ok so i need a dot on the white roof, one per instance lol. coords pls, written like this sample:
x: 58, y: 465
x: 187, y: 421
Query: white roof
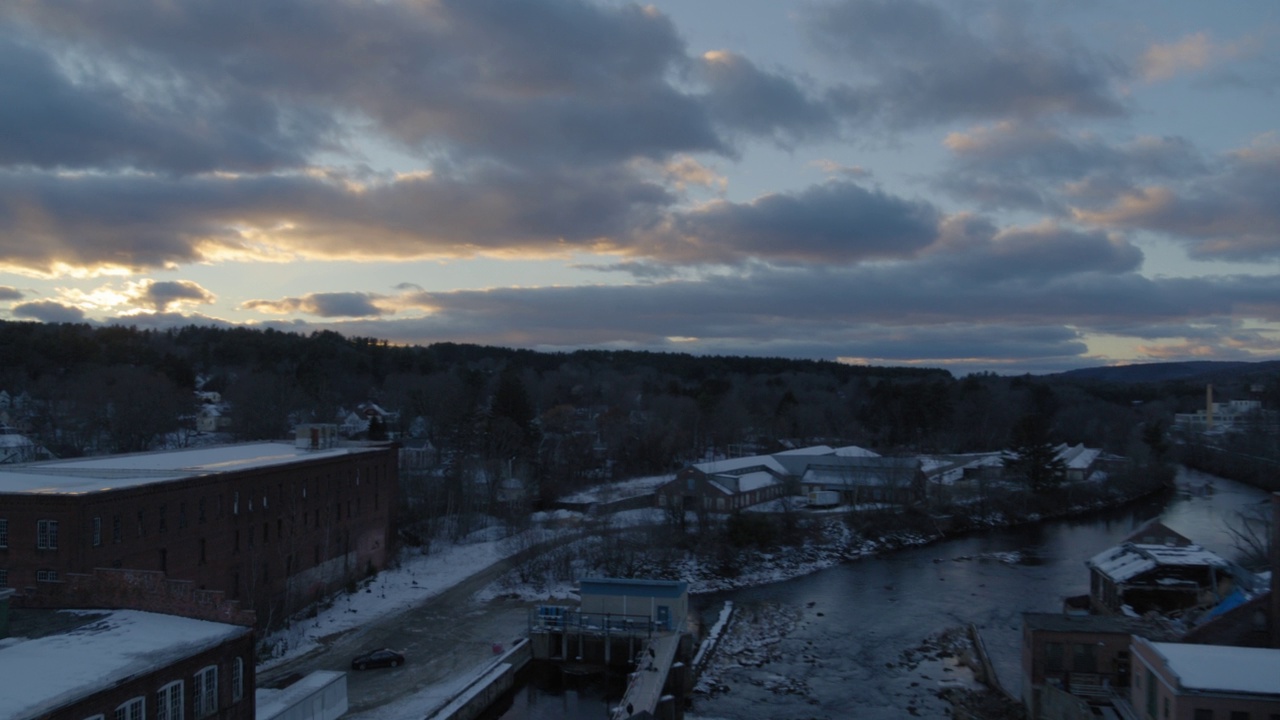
x: 1223, y: 669
x: 114, y: 471
x: 1129, y: 560
x: 46, y: 673
x: 755, y: 481
x: 731, y: 465
x: 1078, y: 457
x: 855, y: 451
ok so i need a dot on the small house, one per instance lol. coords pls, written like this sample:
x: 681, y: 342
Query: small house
x: 1162, y: 578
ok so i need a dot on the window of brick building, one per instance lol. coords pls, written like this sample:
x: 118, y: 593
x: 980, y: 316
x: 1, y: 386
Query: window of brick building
x: 204, y: 692
x: 202, y: 553
x: 1239, y: 715
x: 163, y: 512
x: 4, y: 532
x: 237, y: 679
x: 200, y: 516
x: 134, y: 709
x: 116, y: 529
x: 47, y: 534
x: 97, y: 532
x: 142, y: 527
x: 4, y: 577
x: 46, y: 576
x: 169, y: 702
x: 1203, y: 714
x: 182, y: 515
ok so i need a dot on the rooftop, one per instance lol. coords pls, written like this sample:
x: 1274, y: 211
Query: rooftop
x: 85, y: 475
x: 43, y: 674
x: 1220, y: 668
x: 1129, y: 560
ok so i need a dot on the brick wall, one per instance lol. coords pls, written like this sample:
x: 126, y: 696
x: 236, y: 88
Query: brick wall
x: 147, y: 685
x: 146, y: 590
x: 252, y: 534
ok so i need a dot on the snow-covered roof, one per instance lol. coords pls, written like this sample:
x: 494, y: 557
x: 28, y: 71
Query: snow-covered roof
x: 855, y: 451
x: 1219, y: 668
x: 115, y: 471
x: 1129, y: 560
x: 813, y: 450
x: 756, y: 480
x: 735, y: 465
x: 46, y: 673
x: 270, y: 702
x: 1078, y: 457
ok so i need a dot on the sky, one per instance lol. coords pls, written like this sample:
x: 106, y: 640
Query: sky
x: 978, y: 185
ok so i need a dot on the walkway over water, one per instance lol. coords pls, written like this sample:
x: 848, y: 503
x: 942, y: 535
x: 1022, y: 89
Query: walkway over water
x: 644, y: 686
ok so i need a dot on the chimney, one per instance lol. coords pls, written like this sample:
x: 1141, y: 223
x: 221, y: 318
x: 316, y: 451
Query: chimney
x: 1208, y: 407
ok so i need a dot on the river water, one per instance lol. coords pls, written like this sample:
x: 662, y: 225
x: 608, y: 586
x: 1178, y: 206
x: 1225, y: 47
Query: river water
x: 838, y: 635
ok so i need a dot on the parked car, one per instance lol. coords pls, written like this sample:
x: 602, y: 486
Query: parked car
x: 378, y: 658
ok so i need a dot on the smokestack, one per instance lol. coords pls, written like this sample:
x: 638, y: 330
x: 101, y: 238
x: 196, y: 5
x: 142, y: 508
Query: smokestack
x: 1208, y: 407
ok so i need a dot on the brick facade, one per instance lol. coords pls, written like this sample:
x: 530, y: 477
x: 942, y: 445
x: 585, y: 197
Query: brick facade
x: 273, y: 537
x: 146, y: 685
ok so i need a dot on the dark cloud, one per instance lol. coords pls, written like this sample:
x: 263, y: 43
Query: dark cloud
x: 10, y: 293
x: 918, y: 63
x: 100, y: 120
x: 545, y: 83
x: 48, y: 311
x: 836, y: 222
x: 974, y: 249
x: 1031, y: 166
x: 1231, y: 212
x: 746, y: 98
x: 896, y: 312
x: 326, y: 305
x: 162, y: 294
x: 141, y: 221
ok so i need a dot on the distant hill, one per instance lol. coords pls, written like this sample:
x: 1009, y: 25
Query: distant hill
x: 1206, y: 370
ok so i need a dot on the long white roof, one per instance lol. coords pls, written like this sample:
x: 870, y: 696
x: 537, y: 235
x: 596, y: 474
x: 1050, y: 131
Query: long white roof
x: 46, y: 673
x: 1220, y: 668
x: 108, y: 472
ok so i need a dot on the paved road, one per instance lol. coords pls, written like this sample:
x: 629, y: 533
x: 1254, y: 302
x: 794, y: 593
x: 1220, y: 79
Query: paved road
x: 445, y: 637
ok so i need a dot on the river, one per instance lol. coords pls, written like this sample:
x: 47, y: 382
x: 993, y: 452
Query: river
x: 839, y: 635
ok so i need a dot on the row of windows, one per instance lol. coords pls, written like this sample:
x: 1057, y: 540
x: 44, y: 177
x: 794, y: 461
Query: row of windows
x: 47, y: 530
x: 170, y: 700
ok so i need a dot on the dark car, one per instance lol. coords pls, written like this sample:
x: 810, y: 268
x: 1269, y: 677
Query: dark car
x: 378, y: 658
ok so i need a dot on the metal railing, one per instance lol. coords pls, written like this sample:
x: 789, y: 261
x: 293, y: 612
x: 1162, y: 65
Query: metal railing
x: 552, y: 618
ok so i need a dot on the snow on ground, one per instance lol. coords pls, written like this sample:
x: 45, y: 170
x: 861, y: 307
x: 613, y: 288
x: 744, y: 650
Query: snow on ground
x: 418, y: 577
x: 619, y: 490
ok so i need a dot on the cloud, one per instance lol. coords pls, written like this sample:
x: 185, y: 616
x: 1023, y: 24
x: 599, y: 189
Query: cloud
x: 1194, y: 53
x: 464, y: 80
x: 117, y: 113
x: 835, y: 222
x: 919, y: 64
x: 1017, y: 165
x: 894, y: 311
x: 10, y: 293
x: 48, y: 311
x: 162, y: 294
x: 746, y: 98
x: 1230, y: 212
x: 327, y: 305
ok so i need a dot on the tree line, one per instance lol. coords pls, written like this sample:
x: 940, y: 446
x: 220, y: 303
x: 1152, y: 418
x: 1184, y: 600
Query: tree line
x: 559, y: 421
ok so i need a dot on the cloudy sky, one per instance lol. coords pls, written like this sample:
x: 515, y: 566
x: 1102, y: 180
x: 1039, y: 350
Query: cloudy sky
x: 971, y: 184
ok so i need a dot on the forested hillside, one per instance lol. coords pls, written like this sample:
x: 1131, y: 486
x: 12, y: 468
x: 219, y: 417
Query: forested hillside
x: 565, y: 419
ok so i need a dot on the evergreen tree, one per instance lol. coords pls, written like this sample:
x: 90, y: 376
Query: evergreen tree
x: 1032, y: 456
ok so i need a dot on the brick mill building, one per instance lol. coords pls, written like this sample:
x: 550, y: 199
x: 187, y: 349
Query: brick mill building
x: 269, y: 526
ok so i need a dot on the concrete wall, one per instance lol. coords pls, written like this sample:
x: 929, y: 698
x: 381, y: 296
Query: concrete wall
x: 488, y: 686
